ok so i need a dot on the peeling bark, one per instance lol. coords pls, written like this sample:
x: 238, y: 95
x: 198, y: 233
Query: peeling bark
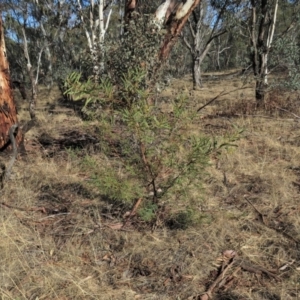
x: 32, y: 101
x: 8, y: 111
x: 261, y: 40
x: 95, y: 28
x: 203, y: 37
x: 130, y: 7
x: 175, y: 24
x: 173, y: 14
x: 197, y: 81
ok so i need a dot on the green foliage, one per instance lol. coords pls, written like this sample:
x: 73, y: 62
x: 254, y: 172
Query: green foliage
x: 188, y: 217
x: 94, y: 95
x: 148, y: 211
x: 138, y: 48
x: 103, y: 94
x: 286, y: 56
x: 155, y: 155
x: 182, y: 219
x: 113, y: 181
x: 158, y: 156
x: 132, y: 83
x: 90, y: 91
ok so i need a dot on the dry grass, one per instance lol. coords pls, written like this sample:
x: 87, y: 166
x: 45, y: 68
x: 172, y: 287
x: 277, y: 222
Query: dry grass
x: 55, y: 238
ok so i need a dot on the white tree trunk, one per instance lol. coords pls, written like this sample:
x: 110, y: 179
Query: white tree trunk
x: 32, y: 102
x: 95, y: 30
x: 200, y: 48
x: 270, y: 40
x: 48, y: 55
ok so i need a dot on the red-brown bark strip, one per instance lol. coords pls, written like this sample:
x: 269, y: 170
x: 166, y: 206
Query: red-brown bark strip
x: 8, y: 111
x: 175, y: 24
x: 175, y: 18
x: 130, y: 7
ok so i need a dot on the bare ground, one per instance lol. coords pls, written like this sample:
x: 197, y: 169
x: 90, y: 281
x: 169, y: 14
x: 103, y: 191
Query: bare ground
x: 60, y: 238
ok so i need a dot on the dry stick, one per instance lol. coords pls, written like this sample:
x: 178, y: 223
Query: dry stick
x: 229, y: 280
x: 148, y: 167
x: 262, y: 221
x: 221, y: 94
x: 262, y: 116
x: 217, y: 281
x: 241, y: 265
x: 133, y: 211
x: 260, y: 215
x: 265, y: 117
x: 246, y: 266
x: 42, y: 209
x: 296, y: 116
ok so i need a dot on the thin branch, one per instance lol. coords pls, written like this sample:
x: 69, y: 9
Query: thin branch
x: 187, y: 43
x: 208, y: 294
x: 133, y: 212
x: 216, y: 35
x: 223, y: 93
x: 191, y: 29
x: 296, y: 116
x: 272, y: 28
x: 226, y: 48
x: 38, y: 65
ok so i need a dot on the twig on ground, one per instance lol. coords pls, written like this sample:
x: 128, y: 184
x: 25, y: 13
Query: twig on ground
x: 260, y: 215
x: 133, y: 211
x: 231, y: 260
x: 223, y: 93
x: 247, y: 266
x: 224, y: 268
x: 285, y: 110
x: 261, y: 220
x: 41, y: 209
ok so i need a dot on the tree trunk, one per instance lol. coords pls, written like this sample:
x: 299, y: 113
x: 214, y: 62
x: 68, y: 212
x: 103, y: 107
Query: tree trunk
x: 260, y: 91
x: 262, y: 33
x: 32, y: 102
x: 175, y: 24
x: 8, y: 111
x: 174, y: 14
x: 197, y: 81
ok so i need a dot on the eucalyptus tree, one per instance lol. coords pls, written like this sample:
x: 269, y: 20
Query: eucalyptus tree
x: 285, y: 51
x: 205, y: 25
x: 269, y: 38
x: 164, y: 24
x: 261, y: 29
x: 8, y: 111
x: 95, y: 16
x: 34, y: 28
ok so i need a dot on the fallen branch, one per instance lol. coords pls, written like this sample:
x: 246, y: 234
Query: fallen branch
x: 133, y: 212
x: 252, y: 268
x: 229, y: 257
x: 41, y: 209
x: 261, y: 219
x: 223, y: 93
x: 230, y: 260
x: 285, y: 110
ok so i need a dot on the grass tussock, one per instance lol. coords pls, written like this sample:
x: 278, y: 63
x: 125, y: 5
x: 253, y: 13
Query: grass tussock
x: 59, y: 227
